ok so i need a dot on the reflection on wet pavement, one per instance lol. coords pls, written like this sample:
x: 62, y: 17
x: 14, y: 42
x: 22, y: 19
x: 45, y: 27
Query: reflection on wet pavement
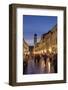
x: 38, y: 67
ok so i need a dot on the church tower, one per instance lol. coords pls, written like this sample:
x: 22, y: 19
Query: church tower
x: 35, y: 39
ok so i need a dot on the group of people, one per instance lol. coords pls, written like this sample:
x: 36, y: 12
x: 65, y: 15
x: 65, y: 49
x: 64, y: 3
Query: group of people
x: 40, y: 63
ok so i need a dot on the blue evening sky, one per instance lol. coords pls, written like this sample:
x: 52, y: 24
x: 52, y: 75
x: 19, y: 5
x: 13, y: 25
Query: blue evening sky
x: 37, y: 24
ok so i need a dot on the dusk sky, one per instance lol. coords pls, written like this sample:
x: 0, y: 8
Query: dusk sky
x: 37, y: 24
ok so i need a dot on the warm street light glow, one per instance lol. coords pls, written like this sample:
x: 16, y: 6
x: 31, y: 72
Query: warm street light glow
x: 50, y: 50
x: 45, y: 50
x: 48, y: 66
x: 27, y: 53
x: 42, y: 51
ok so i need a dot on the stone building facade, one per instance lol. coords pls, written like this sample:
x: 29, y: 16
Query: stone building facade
x: 48, y: 42
x: 25, y: 48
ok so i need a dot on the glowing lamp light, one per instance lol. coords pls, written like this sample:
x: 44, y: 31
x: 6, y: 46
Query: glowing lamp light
x: 28, y: 53
x: 42, y: 51
x: 45, y: 50
x: 34, y: 52
x: 50, y: 50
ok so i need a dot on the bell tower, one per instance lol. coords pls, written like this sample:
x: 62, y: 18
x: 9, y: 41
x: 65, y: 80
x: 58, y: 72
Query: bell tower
x: 35, y: 39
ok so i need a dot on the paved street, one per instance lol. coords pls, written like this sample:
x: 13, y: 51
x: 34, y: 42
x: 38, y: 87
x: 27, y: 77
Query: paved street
x: 39, y: 67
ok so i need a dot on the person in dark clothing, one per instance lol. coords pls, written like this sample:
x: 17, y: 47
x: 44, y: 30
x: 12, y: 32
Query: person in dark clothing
x: 45, y: 57
x: 24, y: 67
x: 55, y: 63
x: 25, y: 63
x: 37, y: 58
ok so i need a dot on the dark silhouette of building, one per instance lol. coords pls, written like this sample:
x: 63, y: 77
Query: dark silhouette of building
x: 31, y: 49
x: 35, y: 39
